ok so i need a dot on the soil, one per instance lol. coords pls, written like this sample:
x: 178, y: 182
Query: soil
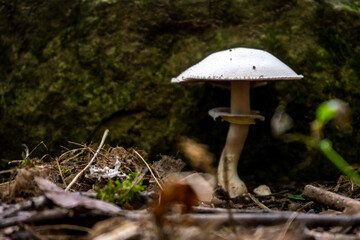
x: 35, y: 206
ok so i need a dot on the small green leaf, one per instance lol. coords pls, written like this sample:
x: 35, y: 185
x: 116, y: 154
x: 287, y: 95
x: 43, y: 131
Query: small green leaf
x: 121, y: 192
x: 296, y: 197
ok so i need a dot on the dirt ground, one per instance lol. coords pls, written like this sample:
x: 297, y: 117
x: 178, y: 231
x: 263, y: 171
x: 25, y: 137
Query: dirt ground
x: 58, y: 198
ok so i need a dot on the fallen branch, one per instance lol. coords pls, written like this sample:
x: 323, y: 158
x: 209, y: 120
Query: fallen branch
x: 147, y: 165
x: 313, y: 234
x: 91, y: 161
x: 255, y: 200
x: 73, y: 157
x: 127, y: 230
x: 5, y: 187
x: 245, y: 219
x: 306, y: 205
x: 331, y: 199
x: 44, y: 231
x: 224, y: 210
x: 70, y: 200
x: 6, y: 171
x: 11, y: 209
x: 35, y: 216
x: 256, y: 219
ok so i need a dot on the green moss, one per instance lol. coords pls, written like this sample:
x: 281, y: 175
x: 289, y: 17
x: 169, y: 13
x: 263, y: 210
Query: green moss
x: 70, y: 70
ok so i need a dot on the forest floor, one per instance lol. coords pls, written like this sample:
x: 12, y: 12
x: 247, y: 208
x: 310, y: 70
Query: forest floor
x: 70, y: 197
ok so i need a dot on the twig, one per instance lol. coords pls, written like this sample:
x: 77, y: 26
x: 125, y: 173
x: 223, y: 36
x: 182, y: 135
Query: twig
x: 210, y: 210
x: 63, y: 226
x: 330, y: 199
x: 26, y: 149
x: 35, y: 202
x: 244, y: 219
x: 308, y: 204
x: 40, y: 143
x: 266, y: 219
x: 72, y: 151
x: 67, y: 149
x: 262, y: 206
x: 189, y: 176
x: 157, y: 173
x: 287, y: 225
x: 28, y: 153
x: 34, y: 217
x: 91, y: 161
x: 78, y: 144
x: 62, y: 176
x: 5, y: 171
x: 127, y: 230
x: 6, y: 186
x: 73, y: 157
x: 43, y: 232
x: 147, y: 165
x: 314, y: 234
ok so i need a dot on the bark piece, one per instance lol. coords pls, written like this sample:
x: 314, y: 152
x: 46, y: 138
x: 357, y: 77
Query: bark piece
x: 73, y: 200
x: 34, y: 217
x: 331, y: 199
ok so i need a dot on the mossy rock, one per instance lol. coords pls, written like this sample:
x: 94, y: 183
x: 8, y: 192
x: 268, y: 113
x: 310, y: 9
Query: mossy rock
x: 70, y: 69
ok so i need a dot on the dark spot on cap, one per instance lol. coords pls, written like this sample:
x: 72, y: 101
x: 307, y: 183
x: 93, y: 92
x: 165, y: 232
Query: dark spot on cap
x: 230, y: 50
x: 230, y: 59
x: 254, y: 67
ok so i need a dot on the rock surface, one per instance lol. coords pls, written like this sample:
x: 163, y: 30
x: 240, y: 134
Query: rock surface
x: 69, y: 69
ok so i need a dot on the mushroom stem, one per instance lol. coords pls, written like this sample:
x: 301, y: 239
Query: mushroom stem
x: 227, y: 170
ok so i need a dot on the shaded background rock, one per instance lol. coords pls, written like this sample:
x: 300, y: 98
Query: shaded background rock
x: 70, y: 69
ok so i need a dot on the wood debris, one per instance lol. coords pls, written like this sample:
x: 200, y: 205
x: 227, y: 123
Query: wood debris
x: 175, y: 205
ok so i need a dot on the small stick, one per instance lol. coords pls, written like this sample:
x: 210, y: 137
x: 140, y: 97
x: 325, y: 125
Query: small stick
x: 62, y: 176
x: 244, y: 219
x: 11, y: 209
x: 34, y: 217
x: 64, y: 226
x: 72, y: 151
x: 147, y: 165
x: 255, y: 200
x: 308, y: 204
x: 256, y: 219
x: 313, y: 234
x: 73, y: 157
x: 329, y: 198
x: 40, y: 143
x: 78, y: 144
x: 5, y: 171
x: 211, y: 210
x: 287, y: 225
x: 91, y: 161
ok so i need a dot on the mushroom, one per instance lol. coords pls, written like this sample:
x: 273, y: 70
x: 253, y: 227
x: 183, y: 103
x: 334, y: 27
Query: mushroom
x: 241, y: 67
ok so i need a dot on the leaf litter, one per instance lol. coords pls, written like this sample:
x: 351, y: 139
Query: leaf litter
x: 174, y: 205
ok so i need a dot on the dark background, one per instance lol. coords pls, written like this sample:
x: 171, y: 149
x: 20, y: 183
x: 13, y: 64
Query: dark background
x: 70, y: 69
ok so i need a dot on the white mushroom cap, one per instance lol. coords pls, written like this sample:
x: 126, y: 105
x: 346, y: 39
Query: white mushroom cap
x: 238, y: 64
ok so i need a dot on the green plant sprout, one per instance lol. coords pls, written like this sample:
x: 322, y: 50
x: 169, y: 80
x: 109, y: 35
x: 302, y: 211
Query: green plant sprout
x: 65, y: 172
x: 338, y: 111
x: 295, y: 197
x: 26, y: 161
x: 120, y: 192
